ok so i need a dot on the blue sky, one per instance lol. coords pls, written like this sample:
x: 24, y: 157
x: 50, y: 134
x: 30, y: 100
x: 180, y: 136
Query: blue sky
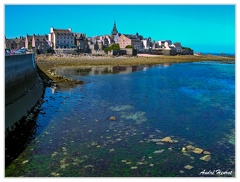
x: 204, y: 28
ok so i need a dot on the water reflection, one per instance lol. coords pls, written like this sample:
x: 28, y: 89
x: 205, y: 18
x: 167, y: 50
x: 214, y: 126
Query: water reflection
x: 98, y: 70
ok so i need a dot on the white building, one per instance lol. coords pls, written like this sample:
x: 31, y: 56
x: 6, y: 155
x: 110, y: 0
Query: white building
x: 61, y: 38
x: 145, y: 43
x: 164, y: 43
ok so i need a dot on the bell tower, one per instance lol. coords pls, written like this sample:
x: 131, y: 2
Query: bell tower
x: 114, y: 30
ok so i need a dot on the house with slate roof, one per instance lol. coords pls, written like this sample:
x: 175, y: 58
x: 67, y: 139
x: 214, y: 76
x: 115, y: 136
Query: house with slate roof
x: 61, y: 39
x: 126, y: 39
x: 37, y: 43
x: 16, y: 43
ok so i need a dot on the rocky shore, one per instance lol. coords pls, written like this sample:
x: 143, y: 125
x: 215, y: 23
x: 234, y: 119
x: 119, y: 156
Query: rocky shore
x: 46, y: 64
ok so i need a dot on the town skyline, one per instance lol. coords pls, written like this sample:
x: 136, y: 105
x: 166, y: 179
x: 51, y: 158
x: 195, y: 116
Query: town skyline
x: 204, y: 28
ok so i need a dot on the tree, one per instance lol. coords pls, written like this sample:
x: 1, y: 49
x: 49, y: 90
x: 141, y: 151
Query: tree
x: 187, y: 48
x: 112, y: 47
x: 129, y: 46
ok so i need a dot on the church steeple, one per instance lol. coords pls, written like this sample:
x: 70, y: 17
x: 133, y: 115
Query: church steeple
x: 114, y: 30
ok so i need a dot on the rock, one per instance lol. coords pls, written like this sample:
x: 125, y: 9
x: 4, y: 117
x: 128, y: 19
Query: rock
x: 183, y: 149
x: 190, y: 147
x: 198, y: 150
x: 24, y: 162
x: 111, y: 150
x: 181, y: 171
x: 188, y: 167
x: 134, y: 167
x: 167, y: 140
x: 112, y: 118
x: 206, y: 152
x: 158, y: 151
x: 88, y: 166
x: 159, y: 143
x: 128, y: 162
x: 124, y: 160
x: 151, y: 165
x: 156, y: 140
x: 206, y: 158
x: 140, y: 163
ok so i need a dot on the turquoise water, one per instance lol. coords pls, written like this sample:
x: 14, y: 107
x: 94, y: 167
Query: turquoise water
x: 193, y: 103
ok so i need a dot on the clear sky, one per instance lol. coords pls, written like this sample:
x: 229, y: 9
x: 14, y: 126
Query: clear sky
x: 204, y: 28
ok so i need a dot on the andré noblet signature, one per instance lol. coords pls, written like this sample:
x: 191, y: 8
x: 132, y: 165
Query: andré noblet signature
x: 215, y: 172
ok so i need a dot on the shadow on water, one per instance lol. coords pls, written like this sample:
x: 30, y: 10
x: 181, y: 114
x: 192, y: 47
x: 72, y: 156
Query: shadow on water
x: 17, y: 140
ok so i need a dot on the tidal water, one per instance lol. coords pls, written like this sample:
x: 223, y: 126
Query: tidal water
x: 193, y: 103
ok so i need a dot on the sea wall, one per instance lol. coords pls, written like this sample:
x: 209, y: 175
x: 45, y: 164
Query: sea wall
x: 23, y: 87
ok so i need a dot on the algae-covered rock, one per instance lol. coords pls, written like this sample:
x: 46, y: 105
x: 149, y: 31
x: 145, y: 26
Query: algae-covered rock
x: 198, y: 150
x: 206, y: 158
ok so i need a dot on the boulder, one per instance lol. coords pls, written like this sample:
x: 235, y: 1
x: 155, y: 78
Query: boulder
x: 167, y: 140
x: 198, y: 150
x: 206, y: 158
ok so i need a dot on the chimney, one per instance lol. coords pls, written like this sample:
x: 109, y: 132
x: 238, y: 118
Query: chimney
x: 70, y: 29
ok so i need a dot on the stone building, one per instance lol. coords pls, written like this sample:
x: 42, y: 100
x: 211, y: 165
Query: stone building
x: 178, y: 47
x: 61, y: 39
x: 37, y: 43
x: 81, y: 42
x: 16, y: 43
x: 132, y: 40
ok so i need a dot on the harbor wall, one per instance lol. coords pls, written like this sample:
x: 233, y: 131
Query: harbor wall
x: 23, y: 87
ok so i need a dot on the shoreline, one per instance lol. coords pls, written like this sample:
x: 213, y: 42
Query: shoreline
x: 46, y: 64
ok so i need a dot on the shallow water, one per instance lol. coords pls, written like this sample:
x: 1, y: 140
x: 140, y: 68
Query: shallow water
x: 193, y: 103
